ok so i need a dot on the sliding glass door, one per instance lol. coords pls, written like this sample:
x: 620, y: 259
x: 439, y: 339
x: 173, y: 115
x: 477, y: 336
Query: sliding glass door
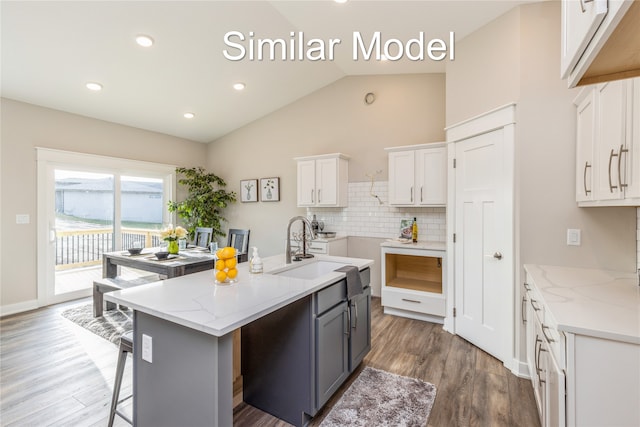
x: 89, y: 205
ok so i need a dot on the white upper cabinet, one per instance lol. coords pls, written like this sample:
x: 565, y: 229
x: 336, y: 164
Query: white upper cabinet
x: 418, y: 175
x: 580, y: 20
x: 608, y: 144
x: 585, y: 134
x: 599, y: 41
x: 323, y: 180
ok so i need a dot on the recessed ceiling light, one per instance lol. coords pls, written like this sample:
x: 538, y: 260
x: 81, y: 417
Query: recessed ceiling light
x: 340, y: 1
x: 189, y: 115
x: 94, y: 86
x: 239, y: 86
x: 144, y: 40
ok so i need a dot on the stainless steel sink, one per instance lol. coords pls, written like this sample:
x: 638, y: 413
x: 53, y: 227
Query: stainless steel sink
x: 310, y: 270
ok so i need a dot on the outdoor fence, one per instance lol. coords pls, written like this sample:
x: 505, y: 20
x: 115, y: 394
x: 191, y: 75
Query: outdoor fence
x: 79, y: 248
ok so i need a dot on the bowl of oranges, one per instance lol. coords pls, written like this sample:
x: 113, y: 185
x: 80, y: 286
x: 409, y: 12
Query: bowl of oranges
x: 225, y: 265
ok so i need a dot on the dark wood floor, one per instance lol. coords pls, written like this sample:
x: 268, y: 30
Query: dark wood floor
x: 54, y: 373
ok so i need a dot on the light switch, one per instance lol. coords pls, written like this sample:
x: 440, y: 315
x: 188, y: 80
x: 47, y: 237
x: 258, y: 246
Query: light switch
x: 147, y: 348
x: 23, y: 219
x: 573, y: 237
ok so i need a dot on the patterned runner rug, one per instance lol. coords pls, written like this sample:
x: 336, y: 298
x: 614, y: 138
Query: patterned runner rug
x: 380, y: 398
x: 110, y: 326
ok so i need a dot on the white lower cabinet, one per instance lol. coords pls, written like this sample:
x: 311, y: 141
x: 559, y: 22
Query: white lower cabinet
x: 412, y: 282
x: 544, y: 358
x: 577, y: 379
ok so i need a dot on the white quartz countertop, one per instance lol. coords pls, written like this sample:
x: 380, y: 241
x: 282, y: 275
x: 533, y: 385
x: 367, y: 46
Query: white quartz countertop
x: 420, y: 244
x: 197, y: 302
x: 599, y: 303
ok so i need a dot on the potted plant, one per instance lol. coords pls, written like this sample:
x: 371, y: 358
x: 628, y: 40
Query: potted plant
x: 205, y: 201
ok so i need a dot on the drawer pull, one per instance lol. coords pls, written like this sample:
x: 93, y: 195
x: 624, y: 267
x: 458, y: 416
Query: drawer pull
x: 533, y: 304
x: 411, y: 300
x: 544, y: 332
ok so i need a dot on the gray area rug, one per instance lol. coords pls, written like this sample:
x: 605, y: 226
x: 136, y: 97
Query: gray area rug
x: 110, y: 326
x: 380, y: 398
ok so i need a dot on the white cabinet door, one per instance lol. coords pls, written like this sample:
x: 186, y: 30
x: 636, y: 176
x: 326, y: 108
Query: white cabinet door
x: 327, y: 182
x: 431, y: 176
x: 586, y: 132
x: 306, y: 182
x: 631, y: 159
x: 555, y: 393
x: 401, y: 177
x: 580, y: 20
x: 611, y: 116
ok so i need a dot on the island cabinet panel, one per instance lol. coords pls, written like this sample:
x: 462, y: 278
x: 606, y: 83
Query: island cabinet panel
x: 295, y: 359
x: 174, y: 372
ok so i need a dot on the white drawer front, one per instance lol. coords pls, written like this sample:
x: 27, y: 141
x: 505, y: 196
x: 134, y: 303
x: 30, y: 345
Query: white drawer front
x: 414, y: 301
x: 318, y: 248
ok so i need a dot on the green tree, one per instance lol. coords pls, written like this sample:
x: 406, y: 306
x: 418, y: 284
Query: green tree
x: 205, y: 202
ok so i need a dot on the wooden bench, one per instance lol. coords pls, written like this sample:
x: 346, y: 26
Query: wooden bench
x: 113, y: 284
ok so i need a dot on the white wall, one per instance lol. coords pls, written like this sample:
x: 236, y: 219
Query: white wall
x: 26, y: 126
x: 409, y: 109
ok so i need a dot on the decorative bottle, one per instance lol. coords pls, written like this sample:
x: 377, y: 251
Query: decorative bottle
x: 255, y: 265
x: 314, y: 225
x: 414, y: 231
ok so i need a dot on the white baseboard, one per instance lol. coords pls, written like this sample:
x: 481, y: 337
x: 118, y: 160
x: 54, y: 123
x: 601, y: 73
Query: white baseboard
x: 6, y: 310
x: 520, y: 369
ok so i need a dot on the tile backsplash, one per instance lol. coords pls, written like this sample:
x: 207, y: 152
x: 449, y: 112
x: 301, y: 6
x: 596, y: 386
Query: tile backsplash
x: 365, y: 216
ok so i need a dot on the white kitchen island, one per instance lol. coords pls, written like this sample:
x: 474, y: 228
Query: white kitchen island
x: 183, y: 352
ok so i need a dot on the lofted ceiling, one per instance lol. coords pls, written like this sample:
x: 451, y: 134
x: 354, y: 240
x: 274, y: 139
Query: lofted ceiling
x: 50, y: 49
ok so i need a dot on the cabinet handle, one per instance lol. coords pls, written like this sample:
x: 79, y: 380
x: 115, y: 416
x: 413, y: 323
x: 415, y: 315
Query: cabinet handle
x: 611, y: 156
x: 544, y: 332
x: 421, y: 194
x: 411, y: 300
x: 526, y: 286
x: 355, y: 326
x: 622, y: 150
x: 584, y: 178
x: 348, y: 332
x: 536, y: 354
x: 533, y: 304
x: 313, y: 199
x: 411, y: 194
x: 319, y: 198
x: 523, y: 309
x: 582, y: 3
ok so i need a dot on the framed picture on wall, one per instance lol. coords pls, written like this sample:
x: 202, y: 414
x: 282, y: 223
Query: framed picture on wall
x: 249, y: 190
x: 269, y: 189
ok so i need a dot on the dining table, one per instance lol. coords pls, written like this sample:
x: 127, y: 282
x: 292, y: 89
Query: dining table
x: 186, y: 261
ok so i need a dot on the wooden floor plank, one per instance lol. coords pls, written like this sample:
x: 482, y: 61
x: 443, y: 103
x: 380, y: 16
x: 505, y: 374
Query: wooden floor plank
x: 55, y: 373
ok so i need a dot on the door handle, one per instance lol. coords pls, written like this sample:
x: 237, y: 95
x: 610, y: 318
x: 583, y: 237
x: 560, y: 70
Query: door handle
x: 497, y: 256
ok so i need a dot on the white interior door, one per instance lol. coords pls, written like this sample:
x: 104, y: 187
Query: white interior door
x: 484, y: 241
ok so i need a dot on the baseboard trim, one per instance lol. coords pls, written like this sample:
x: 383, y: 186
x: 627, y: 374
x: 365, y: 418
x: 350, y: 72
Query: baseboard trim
x: 520, y: 369
x: 9, y: 309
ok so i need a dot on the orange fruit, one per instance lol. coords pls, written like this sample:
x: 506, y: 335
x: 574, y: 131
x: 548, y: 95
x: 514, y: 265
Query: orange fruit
x: 221, y: 276
x: 220, y: 264
x: 219, y: 253
x: 228, y: 252
x: 232, y: 273
x: 231, y: 262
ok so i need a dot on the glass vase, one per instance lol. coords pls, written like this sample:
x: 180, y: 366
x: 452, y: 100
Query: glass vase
x: 173, y: 247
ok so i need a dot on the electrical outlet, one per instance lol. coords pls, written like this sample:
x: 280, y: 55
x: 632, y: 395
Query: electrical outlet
x: 23, y: 219
x: 147, y: 348
x: 573, y: 237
